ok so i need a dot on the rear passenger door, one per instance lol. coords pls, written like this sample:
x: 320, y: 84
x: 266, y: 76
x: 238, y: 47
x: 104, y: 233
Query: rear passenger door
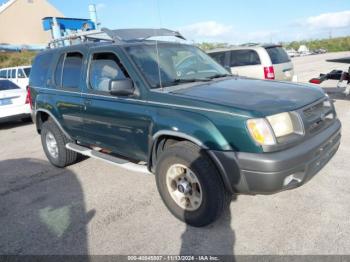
x: 68, y: 81
x: 246, y: 63
x: 116, y: 123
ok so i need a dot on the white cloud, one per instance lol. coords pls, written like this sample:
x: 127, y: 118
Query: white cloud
x: 207, y: 29
x: 213, y: 31
x: 329, y: 20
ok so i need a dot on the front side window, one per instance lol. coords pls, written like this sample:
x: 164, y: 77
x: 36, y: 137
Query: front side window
x: 104, y: 68
x: 168, y: 64
x: 71, y: 71
x: 244, y: 58
x: 27, y: 71
x: 20, y: 73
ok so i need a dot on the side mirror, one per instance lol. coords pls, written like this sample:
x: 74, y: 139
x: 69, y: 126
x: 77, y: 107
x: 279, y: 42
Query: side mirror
x: 123, y: 87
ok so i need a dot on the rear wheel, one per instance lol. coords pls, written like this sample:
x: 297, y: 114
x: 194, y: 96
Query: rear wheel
x: 190, y: 184
x: 54, y: 145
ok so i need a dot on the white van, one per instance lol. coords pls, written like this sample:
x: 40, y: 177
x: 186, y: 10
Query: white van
x: 18, y: 75
x: 256, y: 61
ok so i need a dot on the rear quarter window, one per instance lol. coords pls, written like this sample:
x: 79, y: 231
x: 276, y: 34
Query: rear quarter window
x: 244, y: 58
x: 278, y: 55
x: 40, y: 69
x: 219, y: 57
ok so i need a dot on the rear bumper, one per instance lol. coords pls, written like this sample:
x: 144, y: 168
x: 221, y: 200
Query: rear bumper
x: 16, y: 112
x: 269, y: 173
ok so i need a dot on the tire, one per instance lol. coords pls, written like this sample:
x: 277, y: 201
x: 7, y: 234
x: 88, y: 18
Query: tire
x: 64, y: 156
x: 214, y: 197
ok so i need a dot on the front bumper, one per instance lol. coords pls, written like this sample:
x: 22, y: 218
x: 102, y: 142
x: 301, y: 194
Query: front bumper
x: 267, y: 173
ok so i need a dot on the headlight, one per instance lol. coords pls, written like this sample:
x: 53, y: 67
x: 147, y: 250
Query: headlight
x: 261, y: 132
x: 281, y: 124
x: 268, y: 131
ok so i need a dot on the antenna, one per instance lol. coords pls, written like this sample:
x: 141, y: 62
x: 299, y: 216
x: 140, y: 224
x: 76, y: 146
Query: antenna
x: 157, y: 49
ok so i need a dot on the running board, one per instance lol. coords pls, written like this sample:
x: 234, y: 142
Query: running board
x: 108, y: 158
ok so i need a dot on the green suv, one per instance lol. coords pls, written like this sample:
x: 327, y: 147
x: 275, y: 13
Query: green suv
x: 168, y: 108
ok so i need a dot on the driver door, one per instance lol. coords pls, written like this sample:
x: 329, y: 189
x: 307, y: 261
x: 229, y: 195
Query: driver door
x: 116, y: 123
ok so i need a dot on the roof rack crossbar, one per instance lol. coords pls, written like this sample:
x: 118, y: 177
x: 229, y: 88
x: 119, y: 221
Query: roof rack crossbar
x: 118, y: 36
x: 96, y: 35
x: 140, y: 33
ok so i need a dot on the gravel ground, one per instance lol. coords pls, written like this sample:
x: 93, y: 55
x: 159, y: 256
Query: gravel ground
x: 95, y: 208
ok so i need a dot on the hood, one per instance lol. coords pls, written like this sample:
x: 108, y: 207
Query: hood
x: 263, y: 97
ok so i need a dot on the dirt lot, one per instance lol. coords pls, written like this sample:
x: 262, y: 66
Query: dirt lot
x: 96, y: 208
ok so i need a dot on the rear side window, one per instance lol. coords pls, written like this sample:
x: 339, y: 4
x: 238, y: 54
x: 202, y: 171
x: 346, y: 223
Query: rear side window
x: 59, y: 70
x: 219, y: 57
x: 7, y: 85
x: 68, y: 70
x: 13, y: 73
x: 278, y: 55
x: 40, y: 69
x: 244, y: 58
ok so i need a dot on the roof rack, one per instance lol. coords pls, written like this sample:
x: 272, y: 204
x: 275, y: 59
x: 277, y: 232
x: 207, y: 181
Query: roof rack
x: 116, y: 36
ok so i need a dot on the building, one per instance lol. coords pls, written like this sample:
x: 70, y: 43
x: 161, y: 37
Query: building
x: 21, y: 22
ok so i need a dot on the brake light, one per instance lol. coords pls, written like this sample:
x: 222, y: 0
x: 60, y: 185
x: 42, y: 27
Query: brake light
x: 269, y: 73
x: 29, y: 97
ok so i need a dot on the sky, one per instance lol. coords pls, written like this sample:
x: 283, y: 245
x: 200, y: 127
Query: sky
x: 231, y: 21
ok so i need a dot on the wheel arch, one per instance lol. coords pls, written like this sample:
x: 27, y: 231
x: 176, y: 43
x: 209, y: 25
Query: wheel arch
x: 162, y: 139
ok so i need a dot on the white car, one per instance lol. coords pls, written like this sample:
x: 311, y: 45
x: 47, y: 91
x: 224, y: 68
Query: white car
x: 18, y: 75
x: 14, y: 102
x: 256, y: 61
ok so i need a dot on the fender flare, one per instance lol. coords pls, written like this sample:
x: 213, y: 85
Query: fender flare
x: 53, y: 118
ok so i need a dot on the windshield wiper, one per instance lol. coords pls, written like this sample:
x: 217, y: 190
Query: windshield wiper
x: 219, y: 76
x: 179, y: 81
x: 189, y: 80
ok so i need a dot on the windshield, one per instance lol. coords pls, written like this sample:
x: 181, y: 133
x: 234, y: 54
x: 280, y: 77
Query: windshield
x: 177, y: 64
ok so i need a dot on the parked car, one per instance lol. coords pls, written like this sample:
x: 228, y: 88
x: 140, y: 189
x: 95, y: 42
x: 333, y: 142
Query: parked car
x: 205, y: 134
x: 256, y: 61
x: 18, y: 75
x: 14, y: 102
x: 292, y: 53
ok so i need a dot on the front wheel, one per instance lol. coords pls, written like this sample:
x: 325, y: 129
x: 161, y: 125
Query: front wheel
x: 190, y: 184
